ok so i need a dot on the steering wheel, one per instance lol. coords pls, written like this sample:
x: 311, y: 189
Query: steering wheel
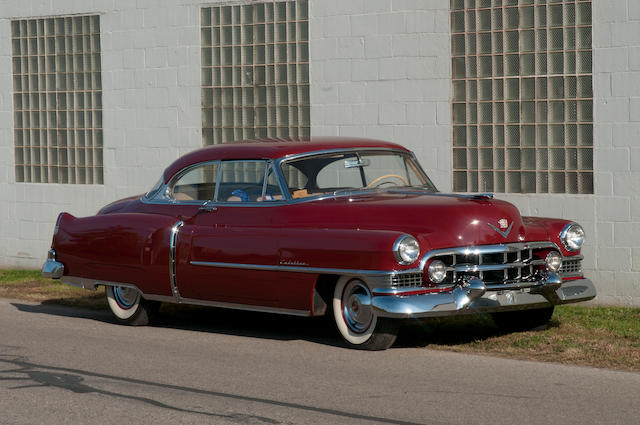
x: 374, y: 182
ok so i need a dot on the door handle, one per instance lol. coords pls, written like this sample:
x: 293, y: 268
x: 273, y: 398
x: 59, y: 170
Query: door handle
x: 208, y: 208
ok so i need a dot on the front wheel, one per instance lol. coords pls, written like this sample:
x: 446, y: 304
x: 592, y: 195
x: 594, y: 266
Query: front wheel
x: 128, y: 306
x: 355, y: 319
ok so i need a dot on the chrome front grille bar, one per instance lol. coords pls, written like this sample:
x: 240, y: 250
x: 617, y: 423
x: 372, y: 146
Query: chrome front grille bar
x: 500, y: 267
x: 461, y: 268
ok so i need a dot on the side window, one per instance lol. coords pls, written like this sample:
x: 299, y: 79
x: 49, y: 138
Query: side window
x: 271, y: 190
x: 248, y: 181
x: 296, y: 180
x: 241, y: 181
x: 197, y: 184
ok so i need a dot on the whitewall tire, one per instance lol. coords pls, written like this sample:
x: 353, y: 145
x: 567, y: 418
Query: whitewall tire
x: 355, y: 319
x: 128, y: 306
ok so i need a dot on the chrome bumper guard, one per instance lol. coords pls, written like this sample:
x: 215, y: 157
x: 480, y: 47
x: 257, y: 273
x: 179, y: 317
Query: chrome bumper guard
x: 475, y: 297
x: 52, y: 269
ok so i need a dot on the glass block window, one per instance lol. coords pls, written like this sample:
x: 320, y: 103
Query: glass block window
x: 255, y: 71
x: 57, y: 100
x: 522, y: 96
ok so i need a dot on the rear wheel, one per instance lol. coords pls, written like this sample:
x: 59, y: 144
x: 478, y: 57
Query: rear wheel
x: 522, y: 320
x: 355, y: 319
x: 128, y: 306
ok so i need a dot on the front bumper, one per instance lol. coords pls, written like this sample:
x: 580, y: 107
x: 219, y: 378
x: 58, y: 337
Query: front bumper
x: 474, y: 298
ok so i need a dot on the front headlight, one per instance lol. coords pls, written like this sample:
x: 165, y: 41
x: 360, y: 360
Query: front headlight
x: 572, y: 236
x: 437, y: 271
x: 406, y: 249
x: 553, y: 261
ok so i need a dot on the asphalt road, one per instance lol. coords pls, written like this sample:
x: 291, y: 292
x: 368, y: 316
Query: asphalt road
x: 65, y: 365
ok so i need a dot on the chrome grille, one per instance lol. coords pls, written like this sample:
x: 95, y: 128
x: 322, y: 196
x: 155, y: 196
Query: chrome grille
x: 406, y: 280
x: 494, y: 264
x: 571, y: 267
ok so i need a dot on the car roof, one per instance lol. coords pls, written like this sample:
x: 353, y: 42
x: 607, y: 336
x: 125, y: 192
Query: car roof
x: 272, y: 149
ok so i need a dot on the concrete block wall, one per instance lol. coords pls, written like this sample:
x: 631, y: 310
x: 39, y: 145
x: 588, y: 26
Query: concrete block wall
x: 151, y: 113
x: 617, y: 154
x: 381, y: 69
x: 611, y: 216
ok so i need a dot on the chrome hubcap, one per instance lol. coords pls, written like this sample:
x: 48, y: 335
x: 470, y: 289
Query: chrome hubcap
x: 125, y: 297
x: 356, y: 306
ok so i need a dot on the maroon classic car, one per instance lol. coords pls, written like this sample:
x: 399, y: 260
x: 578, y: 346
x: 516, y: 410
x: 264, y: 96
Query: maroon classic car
x: 349, y: 228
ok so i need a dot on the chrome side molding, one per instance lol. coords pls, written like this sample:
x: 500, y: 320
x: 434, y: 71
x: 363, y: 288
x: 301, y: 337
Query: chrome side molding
x: 173, y: 238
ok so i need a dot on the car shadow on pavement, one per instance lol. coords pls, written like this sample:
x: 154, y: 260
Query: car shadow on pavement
x: 65, y: 311
x: 454, y: 330
x: 414, y: 332
x: 213, y: 320
x: 247, y: 323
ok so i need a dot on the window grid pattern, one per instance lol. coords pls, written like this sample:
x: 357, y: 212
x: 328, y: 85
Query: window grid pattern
x: 57, y: 98
x: 522, y: 96
x: 255, y: 71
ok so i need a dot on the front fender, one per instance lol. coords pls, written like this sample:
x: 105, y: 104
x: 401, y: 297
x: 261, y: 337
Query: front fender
x: 341, y: 249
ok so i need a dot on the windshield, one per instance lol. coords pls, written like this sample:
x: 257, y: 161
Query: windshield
x: 353, y: 171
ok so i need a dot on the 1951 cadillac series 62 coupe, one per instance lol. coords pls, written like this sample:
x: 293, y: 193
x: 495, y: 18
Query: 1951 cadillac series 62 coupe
x: 350, y: 228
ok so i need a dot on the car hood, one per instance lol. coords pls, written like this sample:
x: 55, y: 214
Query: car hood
x: 441, y: 220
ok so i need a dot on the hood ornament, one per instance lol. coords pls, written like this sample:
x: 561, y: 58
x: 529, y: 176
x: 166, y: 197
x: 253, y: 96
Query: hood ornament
x: 504, y: 224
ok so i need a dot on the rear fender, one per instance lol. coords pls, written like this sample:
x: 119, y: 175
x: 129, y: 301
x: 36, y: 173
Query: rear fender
x: 129, y: 248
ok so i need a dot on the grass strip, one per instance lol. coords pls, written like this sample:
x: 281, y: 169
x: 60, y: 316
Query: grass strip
x: 29, y: 285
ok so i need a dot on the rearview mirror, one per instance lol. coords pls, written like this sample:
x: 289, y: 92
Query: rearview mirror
x: 353, y: 163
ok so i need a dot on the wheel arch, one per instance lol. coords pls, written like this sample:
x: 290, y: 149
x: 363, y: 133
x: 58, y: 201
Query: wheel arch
x: 323, y: 293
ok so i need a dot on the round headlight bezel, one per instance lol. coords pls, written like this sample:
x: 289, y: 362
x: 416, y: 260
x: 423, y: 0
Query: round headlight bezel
x: 406, y: 250
x: 550, y: 258
x: 572, y: 237
x: 437, y: 272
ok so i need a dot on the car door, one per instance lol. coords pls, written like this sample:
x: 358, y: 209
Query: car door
x: 226, y: 252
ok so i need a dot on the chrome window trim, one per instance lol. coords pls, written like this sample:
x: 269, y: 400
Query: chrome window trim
x: 295, y: 156
x: 162, y: 197
x: 216, y: 191
x: 218, y: 182
x: 280, y: 161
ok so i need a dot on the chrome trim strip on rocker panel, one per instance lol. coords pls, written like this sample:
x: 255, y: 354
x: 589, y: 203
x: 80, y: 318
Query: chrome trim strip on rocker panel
x: 92, y: 284
x: 172, y: 259
x: 245, y: 307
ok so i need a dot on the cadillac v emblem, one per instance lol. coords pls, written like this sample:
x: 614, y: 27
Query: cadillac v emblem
x: 504, y: 224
